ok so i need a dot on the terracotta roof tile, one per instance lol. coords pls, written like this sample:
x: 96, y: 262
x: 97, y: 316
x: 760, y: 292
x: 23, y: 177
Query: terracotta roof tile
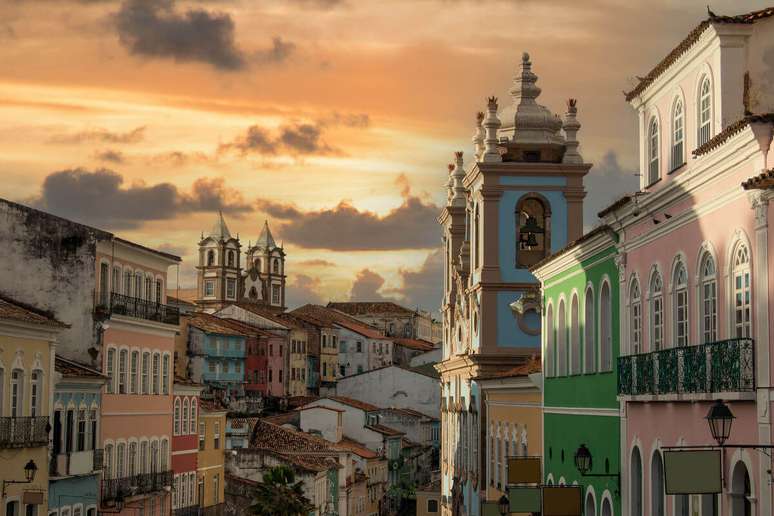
x: 764, y: 180
x: 211, y: 406
x: 594, y: 232
x: 418, y: 344
x: 304, y: 450
x: 362, y: 405
x: 262, y: 311
x: 532, y: 366
x: 410, y: 412
x: 330, y: 316
x: 70, y: 368
x: 13, y: 310
x: 355, y: 447
x: 385, y: 430
x: 618, y: 203
x: 689, y: 41
x: 370, y: 307
x: 730, y: 130
x: 212, y: 324
x: 287, y: 418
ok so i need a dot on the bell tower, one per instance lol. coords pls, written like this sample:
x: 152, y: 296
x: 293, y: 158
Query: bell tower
x: 264, y: 276
x: 218, y: 271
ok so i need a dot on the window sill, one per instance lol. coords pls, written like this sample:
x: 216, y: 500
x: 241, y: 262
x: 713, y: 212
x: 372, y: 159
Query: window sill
x: 653, y: 182
x: 675, y: 169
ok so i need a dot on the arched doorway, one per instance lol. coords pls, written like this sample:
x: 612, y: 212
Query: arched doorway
x: 740, y: 491
x: 607, y: 509
x: 590, y: 508
x: 636, y: 483
x: 657, y: 485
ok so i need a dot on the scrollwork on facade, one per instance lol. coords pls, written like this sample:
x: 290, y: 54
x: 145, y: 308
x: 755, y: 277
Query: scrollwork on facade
x: 759, y: 202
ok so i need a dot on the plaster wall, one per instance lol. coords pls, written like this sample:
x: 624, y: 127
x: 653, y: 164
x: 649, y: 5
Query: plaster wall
x: 393, y: 387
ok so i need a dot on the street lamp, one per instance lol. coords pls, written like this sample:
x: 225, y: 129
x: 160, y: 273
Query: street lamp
x: 504, y: 505
x: 29, y: 474
x: 720, y: 419
x: 583, y: 460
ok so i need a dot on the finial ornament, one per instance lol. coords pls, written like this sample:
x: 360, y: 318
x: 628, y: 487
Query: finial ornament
x: 571, y: 126
x: 478, y: 137
x: 491, y: 125
x: 458, y: 174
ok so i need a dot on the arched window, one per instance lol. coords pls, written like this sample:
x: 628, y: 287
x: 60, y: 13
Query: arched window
x: 653, y: 151
x: 275, y: 266
x: 740, y: 491
x: 550, y: 353
x: 230, y: 258
x: 108, y: 455
x: 257, y: 264
x: 192, y: 425
x: 742, y: 296
x: 635, y: 316
x: 165, y: 374
x: 589, y: 362
x: 36, y: 392
x: 575, y: 349
x: 156, y: 373
x: 678, y: 135
x: 148, y: 288
x: 120, y: 460
x: 123, y: 362
x: 159, y: 291
x: 590, y: 508
x: 210, y: 257
x: 134, y: 371
x: 164, y: 459
x: 492, y: 453
x: 704, y: 112
x: 138, y: 285
x: 636, y: 483
x: 533, y: 227
x: 177, y: 416
x: 657, y: 485
x: 561, y: 341
x: 145, y: 373
x: 154, y: 456
x: 110, y: 364
x: 709, y: 300
x: 144, y: 457
x: 680, y: 296
x: 184, y: 426
x: 605, y: 333
x: 607, y: 509
x: 656, y: 312
x: 131, y: 460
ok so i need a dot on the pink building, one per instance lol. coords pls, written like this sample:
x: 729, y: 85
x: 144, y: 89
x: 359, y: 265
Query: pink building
x: 185, y: 447
x: 694, y: 268
x: 137, y: 336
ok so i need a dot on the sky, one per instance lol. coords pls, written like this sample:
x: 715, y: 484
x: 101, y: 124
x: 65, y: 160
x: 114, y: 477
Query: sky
x: 332, y: 119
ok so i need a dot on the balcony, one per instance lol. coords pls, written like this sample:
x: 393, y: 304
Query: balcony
x: 77, y: 463
x: 143, y: 309
x: 723, y: 366
x: 136, y: 485
x: 24, y: 432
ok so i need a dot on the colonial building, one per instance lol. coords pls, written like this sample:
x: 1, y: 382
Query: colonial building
x: 393, y: 319
x: 185, y: 447
x: 221, y: 279
x: 210, y: 460
x: 76, y: 456
x: 518, y: 200
x: 580, y: 351
x: 694, y: 271
x: 27, y: 344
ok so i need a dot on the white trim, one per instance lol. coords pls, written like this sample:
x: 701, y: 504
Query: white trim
x: 583, y: 411
x: 186, y: 452
x: 207, y: 468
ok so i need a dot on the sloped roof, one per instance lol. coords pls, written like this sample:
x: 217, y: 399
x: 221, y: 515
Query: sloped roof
x: 212, y: 324
x: 304, y: 450
x: 73, y: 369
x: 349, y: 444
x: 285, y: 418
x: 409, y: 412
x: 330, y: 316
x: 246, y: 328
x: 689, y: 41
x: 418, y: 344
x: 262, y: 311
x: 370, y: 308
x: 385, y: 430
x: 587, y: 236
x: 534, y: 365
x: 13, y: 310
x: 266, y: 240
x: 730, y: 130
x: 362, y: 405
x: 219, y: 229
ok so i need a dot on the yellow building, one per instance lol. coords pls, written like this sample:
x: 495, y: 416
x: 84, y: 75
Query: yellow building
x: 513, y: 422
x: 27, y: 350
x: 429, y: 499
x: 211, y: 458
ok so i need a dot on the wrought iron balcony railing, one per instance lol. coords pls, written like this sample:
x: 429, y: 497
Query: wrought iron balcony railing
x: 143, y: 309
x: 135, y: 485
x: 723, y: 366
x: 24, y: 432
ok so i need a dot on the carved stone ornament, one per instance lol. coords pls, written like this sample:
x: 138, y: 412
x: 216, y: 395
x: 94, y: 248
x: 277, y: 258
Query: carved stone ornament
x: 759, y: 201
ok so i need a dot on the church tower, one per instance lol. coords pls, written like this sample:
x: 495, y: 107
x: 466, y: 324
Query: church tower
x: 218, y: 271
x: 263, y: 280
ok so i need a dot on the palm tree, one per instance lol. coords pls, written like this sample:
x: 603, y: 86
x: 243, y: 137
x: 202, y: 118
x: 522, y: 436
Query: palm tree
x: 280, y: 495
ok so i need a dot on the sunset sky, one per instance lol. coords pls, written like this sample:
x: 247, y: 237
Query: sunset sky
x: 333, y: 119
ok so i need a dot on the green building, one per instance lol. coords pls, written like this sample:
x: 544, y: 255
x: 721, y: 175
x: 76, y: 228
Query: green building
x: 580, y: 347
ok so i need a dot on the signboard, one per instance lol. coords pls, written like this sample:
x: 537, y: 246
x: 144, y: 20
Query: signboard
x: 562, y: 501
x: 525, y: 499
x: 524, y: 470
x: 692, y: 472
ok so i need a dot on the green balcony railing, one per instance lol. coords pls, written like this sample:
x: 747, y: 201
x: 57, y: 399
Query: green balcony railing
x: 723, y: 366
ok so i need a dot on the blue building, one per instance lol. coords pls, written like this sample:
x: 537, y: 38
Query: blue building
x: 518, y: 200
x: 76, y: 462
x: 217, y: 354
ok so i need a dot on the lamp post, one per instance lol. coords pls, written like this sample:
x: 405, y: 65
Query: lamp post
x: 584, y: 462
x: 719, y: 418
x: 29, y: 474
x: 504, y: 505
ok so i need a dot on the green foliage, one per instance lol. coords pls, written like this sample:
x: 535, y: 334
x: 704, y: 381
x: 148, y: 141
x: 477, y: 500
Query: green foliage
x: 280, y: 495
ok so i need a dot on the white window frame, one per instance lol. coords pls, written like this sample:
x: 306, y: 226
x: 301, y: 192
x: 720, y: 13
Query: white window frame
x: 741, y: 300
x: 635, y: 316
x: 589, y: 359
x: 678, y: 134
x: 656, y: 311
x: 708, y: 292
x: 680, y: 301
x: 704, y: 111
x: 654, y: 152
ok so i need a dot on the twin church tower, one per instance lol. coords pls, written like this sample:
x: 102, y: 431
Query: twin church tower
x: 223, y: 280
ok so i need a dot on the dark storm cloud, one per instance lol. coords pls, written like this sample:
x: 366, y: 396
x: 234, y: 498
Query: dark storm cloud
x: 606, y: 181
x: 136, y: 135
x: 155, y: 28
x: 296, y: 139
x: 100, y: 198
x: 346, y: 228
x: 110, y: 155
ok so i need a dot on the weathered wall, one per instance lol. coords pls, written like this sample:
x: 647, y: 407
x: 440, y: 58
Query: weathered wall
x: 49, y: 262
x: 393, y: 387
